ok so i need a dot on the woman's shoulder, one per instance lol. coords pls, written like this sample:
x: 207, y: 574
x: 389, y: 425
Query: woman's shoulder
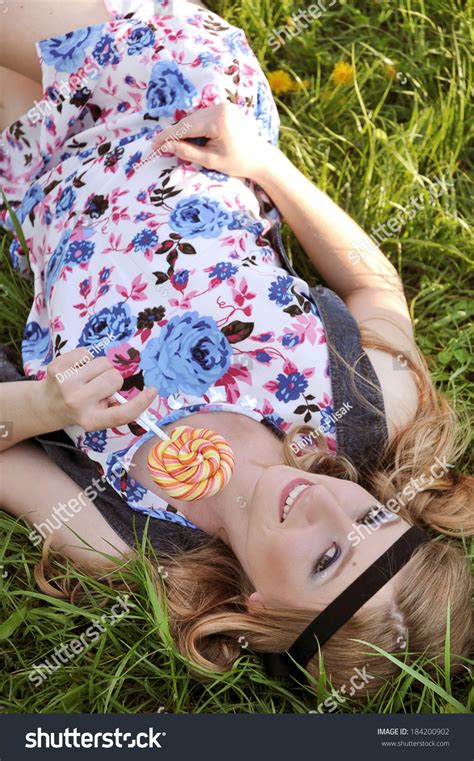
x: 398, y: 387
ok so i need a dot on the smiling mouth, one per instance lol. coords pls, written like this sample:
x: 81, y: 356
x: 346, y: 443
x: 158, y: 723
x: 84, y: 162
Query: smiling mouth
x: 290, y: 496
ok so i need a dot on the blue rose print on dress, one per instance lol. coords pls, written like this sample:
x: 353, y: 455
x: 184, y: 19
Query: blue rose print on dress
x: 260, y: 110
x: 279, y: 290
x: 135, y: 491
x: 290, y: 340
x: 168, y: 90
x: 290, y: 386
x: 67, y: 52
x: 263, y: 113
x: 36, y: 342
x: 141, y: 38
x: 223, y: 271
x: 327, y: 423
x: 105, y: 51
x: 56, y: 263
x: 213, y: 175
x: 208, y: 59
x: 243, y: 221
x: 198, y: 215
x: 180, y: 279
x: 33, y: 196
x: 189, y: 355
x: 276, y: 420
x: 237, y: 43
x: 79, y: 252
x: 115, y: 321
x: 14, y: 254
x: 65, y: 202
x: 144, y: 240
x: 96, y: 440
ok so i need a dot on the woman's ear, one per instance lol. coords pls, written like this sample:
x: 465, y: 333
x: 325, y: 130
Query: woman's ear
x: 255, y: 601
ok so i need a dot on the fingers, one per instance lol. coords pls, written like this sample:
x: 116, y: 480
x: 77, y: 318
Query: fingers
x: 201, y: 123
x: 193, y: 153
x: 104, y: 385
x: 77, y: 365
x: 123, y: 414
x: 190, y: 126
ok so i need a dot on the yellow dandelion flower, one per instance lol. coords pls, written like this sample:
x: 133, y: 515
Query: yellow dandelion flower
x: 281, y: 82
x: 301, y: 85
x: 343, y: 73
x: 391, y: 71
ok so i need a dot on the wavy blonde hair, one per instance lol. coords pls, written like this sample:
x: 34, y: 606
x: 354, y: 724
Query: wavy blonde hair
x: 207, y: 590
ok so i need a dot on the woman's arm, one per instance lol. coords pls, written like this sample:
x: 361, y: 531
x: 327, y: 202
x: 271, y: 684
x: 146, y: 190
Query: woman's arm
x: 327, y: 234
x: 344, y: 255
x: 75, y: 392
x: 33, y: 487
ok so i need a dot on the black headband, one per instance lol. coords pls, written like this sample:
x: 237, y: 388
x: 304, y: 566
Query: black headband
x: 344, y: 606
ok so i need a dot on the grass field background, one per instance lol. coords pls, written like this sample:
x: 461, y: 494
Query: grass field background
x: 374, y: 102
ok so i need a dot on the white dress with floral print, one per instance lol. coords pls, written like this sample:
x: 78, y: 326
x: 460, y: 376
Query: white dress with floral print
x: 164, y: 267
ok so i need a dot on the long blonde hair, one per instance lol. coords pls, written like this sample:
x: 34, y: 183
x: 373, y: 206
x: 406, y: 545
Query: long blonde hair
x: 207, y: 590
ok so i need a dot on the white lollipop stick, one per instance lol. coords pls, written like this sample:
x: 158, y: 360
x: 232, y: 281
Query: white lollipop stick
x: 145, y: 419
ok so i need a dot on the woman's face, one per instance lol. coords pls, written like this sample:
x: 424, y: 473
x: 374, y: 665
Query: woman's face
x: 306, y: 555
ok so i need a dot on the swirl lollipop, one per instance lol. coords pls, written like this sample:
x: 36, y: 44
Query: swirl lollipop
x: 195, y: 463
x: 192, y: 463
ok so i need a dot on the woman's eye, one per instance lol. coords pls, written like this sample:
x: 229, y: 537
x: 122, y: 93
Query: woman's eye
x: 328, y: 558
x: 377, y: 514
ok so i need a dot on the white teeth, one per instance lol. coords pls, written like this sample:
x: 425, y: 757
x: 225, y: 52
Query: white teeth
x: 292, y: 497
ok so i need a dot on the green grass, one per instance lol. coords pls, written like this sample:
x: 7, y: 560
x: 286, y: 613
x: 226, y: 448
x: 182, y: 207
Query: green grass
x: 373, y: 146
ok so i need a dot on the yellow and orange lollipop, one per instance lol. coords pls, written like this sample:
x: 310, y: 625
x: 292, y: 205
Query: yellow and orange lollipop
x: 193, y: 464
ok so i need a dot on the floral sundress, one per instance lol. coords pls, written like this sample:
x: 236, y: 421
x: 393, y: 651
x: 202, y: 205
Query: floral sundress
x: 162, y: 266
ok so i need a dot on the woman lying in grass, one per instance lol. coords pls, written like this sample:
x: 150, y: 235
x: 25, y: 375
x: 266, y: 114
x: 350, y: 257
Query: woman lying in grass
x: 149, y: 186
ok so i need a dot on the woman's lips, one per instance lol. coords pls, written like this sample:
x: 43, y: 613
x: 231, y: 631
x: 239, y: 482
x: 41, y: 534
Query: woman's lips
x: 286, y: 490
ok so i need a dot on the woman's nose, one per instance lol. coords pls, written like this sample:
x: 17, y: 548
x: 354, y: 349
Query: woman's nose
x: 319, y: 506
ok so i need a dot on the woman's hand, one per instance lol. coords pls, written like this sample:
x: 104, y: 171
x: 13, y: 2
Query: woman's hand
x: 78, y: 391
x: 233, y: 144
